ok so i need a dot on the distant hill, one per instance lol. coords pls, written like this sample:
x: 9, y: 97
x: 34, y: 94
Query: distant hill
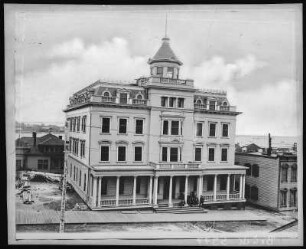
x: 26, y: 127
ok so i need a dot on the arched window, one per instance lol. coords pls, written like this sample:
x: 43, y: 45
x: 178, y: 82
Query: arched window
x: 284, y: 173
x: 254, y: 193
x: 224, y: 103
x: 199, y: 101
x: 106, y: 94
x: 139, y: 96
x: 255, y: 170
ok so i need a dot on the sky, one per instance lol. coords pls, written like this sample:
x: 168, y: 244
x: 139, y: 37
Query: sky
x: 251, y: 52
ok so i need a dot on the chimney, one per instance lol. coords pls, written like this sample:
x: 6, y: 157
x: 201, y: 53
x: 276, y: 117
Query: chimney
x: 270, y: 147
x: 34, y: 138
x: 60, y: 137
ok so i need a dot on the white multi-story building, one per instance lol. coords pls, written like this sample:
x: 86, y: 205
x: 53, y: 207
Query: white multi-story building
x: 153, y: 141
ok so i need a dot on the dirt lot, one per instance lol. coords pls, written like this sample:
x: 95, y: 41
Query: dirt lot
x: 48, y: 196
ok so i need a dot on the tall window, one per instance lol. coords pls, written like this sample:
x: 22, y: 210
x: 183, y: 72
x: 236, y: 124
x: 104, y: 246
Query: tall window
x: 254, y: 193
x: 225, y: 130
x: 138, y: 184
x: 104, y: 153
x: 255, y: 170
x: 172, y: 102
x: 80, y: 178
x: 180, y: 103
x: 84, y: 123
x: 164, y: 154
x: 173, y: 154
x: 121, y: 186
x: 212, y: 105
x: 122, y: 125
x: 247, y: 191
x: 165, y: 127
x: 211, y: 154
x: 198, y: 154
x: 78, y: 123
x: 164, y: 101
x: 138, y: 153
x: 224, y: 154
x: 42, y: 164
x: 284, y: 173
x: 18, y: 164
x: 283, y: 198
x: 123, y: 98
x: 105, y: 125
x: 139, y: 126
x: 84, y: 185
x: 210, y: 182
x: 249, y: 168
x: 170, y: 72
x: 82, y: 152
x: 104, y: 186
x: 199, y: 130
x: 159, y: 71
x: 293, y: 197
x: 121, y: 154
x: 70, y: 170
x: 174, y: 127
x: 223, y: 181
x: 212, y: 129
x: 293, y: 173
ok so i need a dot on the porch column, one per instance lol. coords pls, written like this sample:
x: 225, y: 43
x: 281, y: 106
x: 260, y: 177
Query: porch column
x: 243, y: 185
x: 186, y: 190
x: 150, y: 190
x: 240, y: 187
x: 99, y: 191
x: 234, y: 182
x: 117, y: 191
x: 134, y: 190
x: 228, y: 186
x: 202, y: 183
x: 215, y: 188
x: 170, y: 192
x: 155, y: 189
x: 198, y: 187
x: 94, y: 197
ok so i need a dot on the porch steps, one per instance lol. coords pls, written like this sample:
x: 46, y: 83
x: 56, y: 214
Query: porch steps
x: 179, y: 210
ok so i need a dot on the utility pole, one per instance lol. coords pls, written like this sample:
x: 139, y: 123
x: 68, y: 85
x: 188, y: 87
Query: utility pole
x: 64, y: 184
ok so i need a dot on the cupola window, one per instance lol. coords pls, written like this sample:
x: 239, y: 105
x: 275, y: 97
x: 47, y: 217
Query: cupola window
x: 170, y: 72
x: 159, y: 71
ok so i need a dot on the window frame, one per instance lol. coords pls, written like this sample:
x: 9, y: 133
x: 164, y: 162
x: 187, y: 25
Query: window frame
x: 120, y: 98
x: 108, y: 146
x: 214, y: 154
x: 141, y: 154
x: 119, y: 126
x: 228, y: 125
x: 195, y: 153
x: 209, y: 129
x: 118, y: 153
x: 202, y: 125
x: 109, y: 125
x: 177, y: 154
x: 142, y: 126
x: 180, y: 102
x: 224, y: 149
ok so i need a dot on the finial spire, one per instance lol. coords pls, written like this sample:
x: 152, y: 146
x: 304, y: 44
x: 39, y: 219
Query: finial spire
x: 166, y: 25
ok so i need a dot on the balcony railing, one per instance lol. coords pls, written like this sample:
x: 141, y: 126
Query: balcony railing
x: 116, y: 100
x: 108, y: 99
x: 157, y: 79
x: 215, y: 108
x: 123, y: 202
x: 176, y: 165
x: 139, y: 102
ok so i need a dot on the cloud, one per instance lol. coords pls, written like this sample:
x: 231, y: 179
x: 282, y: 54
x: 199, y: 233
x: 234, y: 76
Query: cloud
x: 41, y: 95
x: 216, y: 73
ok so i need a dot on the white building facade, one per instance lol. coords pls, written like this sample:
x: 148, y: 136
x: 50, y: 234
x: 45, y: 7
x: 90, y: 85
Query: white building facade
x: 154, y: 141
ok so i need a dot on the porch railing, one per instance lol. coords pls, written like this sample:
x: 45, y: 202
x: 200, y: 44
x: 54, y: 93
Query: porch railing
x: 221, y: 197
x: 123, y: 202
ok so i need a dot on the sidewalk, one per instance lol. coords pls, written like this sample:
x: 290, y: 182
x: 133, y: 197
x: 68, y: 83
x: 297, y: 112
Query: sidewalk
x: 103, y: 217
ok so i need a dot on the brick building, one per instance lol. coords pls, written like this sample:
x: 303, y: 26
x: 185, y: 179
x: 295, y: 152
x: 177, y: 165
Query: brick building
x: 153, y: 142
x: 271, y: 181
x: 44, y: 153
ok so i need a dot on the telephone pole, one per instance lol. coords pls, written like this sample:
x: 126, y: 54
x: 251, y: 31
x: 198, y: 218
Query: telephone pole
x: 64, y: 184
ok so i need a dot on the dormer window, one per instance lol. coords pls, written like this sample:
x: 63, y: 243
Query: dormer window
x: 123, y: 98
x: 139, y: 96
x: 106, y: 94
x: 199, y: 102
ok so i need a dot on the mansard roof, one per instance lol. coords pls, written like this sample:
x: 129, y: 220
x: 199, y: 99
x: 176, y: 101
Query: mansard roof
x: 165, y: 54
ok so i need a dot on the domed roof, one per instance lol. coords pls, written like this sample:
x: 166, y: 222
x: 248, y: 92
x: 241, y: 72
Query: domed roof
x: 165, y: 54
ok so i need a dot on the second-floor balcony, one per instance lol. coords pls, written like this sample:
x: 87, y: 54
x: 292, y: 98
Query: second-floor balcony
x: 215, y: 107
x: 176, y: 165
